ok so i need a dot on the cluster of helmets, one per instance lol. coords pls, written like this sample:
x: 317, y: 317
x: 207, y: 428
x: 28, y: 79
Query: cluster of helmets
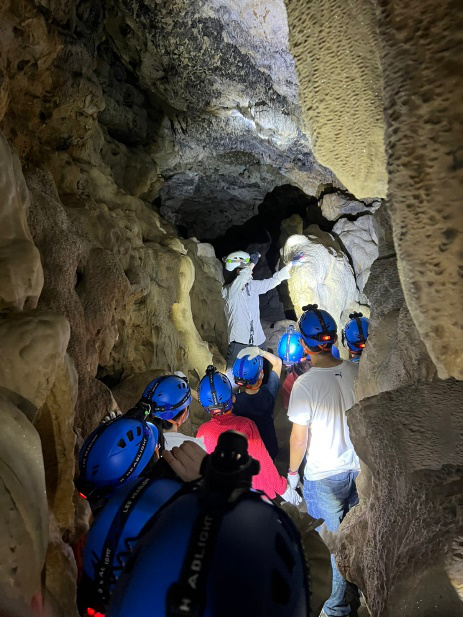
x: 217, y: 548
x: 116, y: 465
x: 156, y: 525
x: 121, y: 450
x: 318, y: 332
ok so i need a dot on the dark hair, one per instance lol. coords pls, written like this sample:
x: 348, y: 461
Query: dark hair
x: 326, y: 349
x: 164, y: 425
x: 230, y: 276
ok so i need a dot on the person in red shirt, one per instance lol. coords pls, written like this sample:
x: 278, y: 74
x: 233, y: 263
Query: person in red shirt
x: 216, y: 396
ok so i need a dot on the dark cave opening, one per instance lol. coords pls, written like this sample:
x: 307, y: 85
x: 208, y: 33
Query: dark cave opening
x: 265, y: 227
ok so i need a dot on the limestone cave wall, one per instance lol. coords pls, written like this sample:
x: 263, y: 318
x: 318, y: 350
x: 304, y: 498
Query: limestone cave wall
x: 392, y: 69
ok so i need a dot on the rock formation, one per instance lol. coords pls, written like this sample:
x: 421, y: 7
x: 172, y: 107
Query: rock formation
x: 324, y: 276
x: 232, y: 131
x: 337, y: 52
x: 400, y: 545
x: 335, y: 205
x: 360, y: 241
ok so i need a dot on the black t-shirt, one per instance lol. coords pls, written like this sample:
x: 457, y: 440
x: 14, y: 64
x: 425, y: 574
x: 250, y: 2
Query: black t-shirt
x: 259, y: 408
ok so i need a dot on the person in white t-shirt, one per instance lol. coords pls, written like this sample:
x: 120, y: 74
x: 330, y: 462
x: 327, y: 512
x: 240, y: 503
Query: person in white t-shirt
x: 317, y: 408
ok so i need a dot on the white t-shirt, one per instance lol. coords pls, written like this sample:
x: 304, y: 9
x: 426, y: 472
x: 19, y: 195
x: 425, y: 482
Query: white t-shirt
x: 173, y: 439
x: 319, y: 400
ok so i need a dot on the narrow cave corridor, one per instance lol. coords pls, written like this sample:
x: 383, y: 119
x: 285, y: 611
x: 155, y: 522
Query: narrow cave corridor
x: 142, y: 145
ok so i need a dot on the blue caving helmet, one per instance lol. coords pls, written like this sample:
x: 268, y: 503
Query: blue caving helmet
x: 167, y: 396
x: 218, y: 549
x: 355, y: 332
x: 247, y: 372
x: 114, y: 454
x: 317, y: 327
x: 290, y: 348
x: 215, y: 392
x: 113, y: 535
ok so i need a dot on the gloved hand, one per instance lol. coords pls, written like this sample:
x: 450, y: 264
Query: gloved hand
x: 252, y: 352
x: 291, y: 496
x: 293, y: 480
x: 284, y: 274
x: 112, y: 415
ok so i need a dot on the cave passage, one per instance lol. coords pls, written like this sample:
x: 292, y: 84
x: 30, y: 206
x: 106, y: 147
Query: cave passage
x: 143, y: 142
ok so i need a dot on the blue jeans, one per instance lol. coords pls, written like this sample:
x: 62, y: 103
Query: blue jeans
x: 331, y: 499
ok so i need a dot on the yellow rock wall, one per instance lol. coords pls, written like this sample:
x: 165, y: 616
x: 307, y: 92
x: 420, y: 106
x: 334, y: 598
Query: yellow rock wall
x: 402, y: 545
x: 422, y: 62
x: 336, y: 47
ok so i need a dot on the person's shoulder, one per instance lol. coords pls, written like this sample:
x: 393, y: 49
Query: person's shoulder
x: 270, y: 389
x: 243, y: 422
x: 304, y: 380
x: 205, y: 425
x: 351, y: 368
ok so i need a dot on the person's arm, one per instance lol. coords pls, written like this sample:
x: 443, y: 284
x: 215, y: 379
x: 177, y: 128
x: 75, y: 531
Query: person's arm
x: 275, y: 361
x: 261, y: 287
x: 299, y: 413
x: 297, y: 446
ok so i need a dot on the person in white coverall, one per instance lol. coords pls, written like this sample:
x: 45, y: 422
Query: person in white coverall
x: 241, y: 295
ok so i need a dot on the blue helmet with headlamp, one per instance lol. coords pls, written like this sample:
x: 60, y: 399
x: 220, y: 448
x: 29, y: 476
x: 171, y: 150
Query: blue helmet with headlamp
x: 290, y: 348
x: 167, y: 396
x: 215, y: 392
x: 318, y: 329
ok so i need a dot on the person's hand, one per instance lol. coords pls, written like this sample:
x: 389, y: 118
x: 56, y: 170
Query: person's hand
x: 252, y: 352
x: 185, y: 460
x: 181, y: 375
x: 112, y: 415
x: 293, y: 479
x: 292, y: 496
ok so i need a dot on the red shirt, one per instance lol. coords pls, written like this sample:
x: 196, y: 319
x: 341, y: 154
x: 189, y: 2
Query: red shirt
x: 268, y: 479
x: 287, y: 387
x: 296, y: 371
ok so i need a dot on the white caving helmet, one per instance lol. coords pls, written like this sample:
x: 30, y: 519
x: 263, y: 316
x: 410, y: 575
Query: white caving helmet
x: 237, y: 259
